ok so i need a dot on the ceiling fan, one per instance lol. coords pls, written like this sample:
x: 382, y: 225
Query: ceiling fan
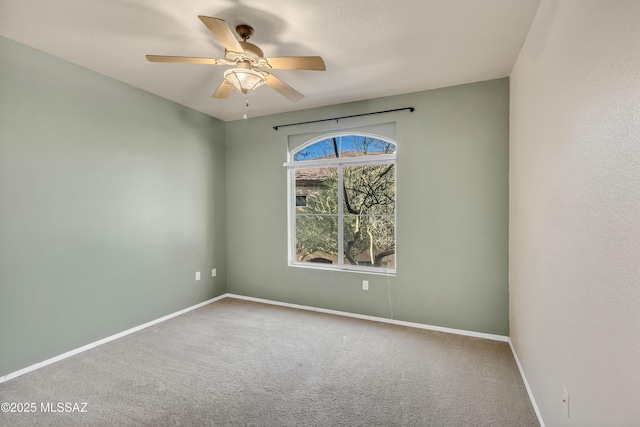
x: 248, y: 62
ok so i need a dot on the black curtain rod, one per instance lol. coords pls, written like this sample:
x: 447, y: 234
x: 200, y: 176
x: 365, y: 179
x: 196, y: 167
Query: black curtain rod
x: 411, y: 109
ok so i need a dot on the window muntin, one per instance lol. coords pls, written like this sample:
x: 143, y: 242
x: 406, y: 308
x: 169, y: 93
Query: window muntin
x: 348, y: 222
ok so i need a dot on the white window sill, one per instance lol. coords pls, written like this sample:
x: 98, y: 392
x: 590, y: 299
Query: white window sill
x: 345, y: 269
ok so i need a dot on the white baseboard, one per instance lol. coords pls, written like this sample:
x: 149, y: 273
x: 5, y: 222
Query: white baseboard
x: 376, y: 319
x: 104, y: 340
x: 526, y: 384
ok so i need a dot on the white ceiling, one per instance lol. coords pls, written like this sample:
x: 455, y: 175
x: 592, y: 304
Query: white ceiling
x: 372, y: 48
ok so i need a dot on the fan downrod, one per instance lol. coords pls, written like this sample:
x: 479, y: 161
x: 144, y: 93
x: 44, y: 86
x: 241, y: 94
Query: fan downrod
x: 244, y: 31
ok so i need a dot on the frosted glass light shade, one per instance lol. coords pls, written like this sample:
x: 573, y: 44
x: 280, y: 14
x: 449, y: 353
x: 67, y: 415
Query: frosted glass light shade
x: 245, y: 80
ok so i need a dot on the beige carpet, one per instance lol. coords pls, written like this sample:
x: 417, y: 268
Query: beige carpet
x: 239, y: 363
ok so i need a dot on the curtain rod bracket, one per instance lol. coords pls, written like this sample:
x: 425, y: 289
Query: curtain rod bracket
x: 337, y: 119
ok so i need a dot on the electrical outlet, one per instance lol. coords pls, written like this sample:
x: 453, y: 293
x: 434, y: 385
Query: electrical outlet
x: 365, y: 285
x: 213, y: 272
x: 197, y: 275
x: 565, y: 401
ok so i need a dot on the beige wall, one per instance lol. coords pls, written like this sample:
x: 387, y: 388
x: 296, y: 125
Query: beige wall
x: 574, y: 195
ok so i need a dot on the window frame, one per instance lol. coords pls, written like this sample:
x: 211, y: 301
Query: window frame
x: 339, y: 163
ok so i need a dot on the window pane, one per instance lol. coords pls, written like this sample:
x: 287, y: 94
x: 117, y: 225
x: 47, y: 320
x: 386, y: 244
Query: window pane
x: 325, y: 149
x: 345, y: 146
x: 358, y: 145
x: 369, y: 240
x: 370, y: 190
x: 317, y: 238
x: 369, y: 215
x: 317, y: 222
x: 318, y: 187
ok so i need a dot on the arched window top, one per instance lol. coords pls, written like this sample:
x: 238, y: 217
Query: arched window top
x: 343, y: 146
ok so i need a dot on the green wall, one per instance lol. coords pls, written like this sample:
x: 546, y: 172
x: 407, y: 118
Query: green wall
x: 110, y: 200
x: 452, y: 220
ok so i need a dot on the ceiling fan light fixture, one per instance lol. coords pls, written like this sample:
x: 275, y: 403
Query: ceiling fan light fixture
x: 244, y: 80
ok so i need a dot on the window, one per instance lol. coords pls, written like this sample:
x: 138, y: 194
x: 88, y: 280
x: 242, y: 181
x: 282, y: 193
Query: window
x: 343, y: 203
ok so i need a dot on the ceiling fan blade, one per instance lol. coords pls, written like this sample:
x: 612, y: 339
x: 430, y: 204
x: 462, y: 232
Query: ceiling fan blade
x: 221, y: 30
x: 184, y: 59
x: 282, y: 88
x: 297, y: 63
x: 223, y: 91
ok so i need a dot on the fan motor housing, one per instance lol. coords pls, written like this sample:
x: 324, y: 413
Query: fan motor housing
x: 251, y: 52
x: 252, y: 48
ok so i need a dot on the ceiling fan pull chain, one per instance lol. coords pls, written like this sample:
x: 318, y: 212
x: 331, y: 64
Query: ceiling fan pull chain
x: 246, y: 104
